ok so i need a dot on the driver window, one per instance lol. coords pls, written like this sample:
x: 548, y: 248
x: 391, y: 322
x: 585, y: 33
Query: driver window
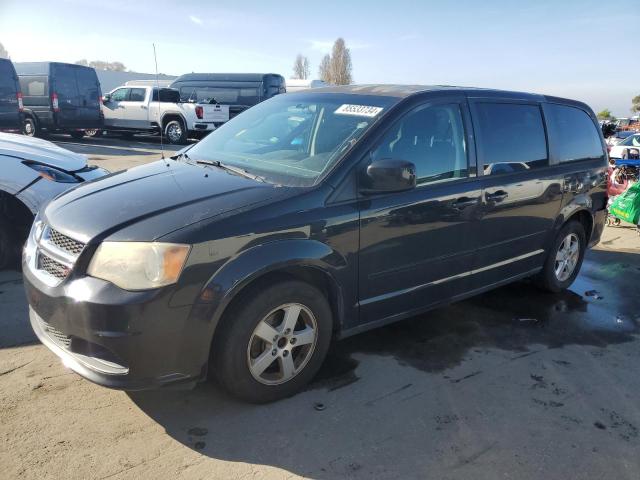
x: 119, y: 95
x: 432, y: 138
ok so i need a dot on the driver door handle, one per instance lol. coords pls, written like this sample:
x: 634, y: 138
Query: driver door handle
x: 464, y: 202
x: 497, y: 196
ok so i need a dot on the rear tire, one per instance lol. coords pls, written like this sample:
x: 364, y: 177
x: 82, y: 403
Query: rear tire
x: 77, y: 134
x: 564, y: 259
x: 297, y: 320
x: 175, y: 132
x: 93, y: 132
x: 30, y: 127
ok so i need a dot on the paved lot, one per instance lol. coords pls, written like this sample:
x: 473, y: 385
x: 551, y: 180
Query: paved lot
x: 513, y: 384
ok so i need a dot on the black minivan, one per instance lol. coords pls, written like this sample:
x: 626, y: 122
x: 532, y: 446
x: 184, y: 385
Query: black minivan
x: 312, y: 216
x: 59, y: 97
x: 238, y: 90
x: 10, y: 97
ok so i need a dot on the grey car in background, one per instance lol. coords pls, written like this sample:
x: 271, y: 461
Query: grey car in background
x: 32, y: 172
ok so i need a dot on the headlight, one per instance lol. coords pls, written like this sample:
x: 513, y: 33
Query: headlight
x: 139, y: 265
x: 53, y: 174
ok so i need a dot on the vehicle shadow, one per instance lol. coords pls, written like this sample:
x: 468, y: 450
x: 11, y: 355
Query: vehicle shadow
x: 328, y: 440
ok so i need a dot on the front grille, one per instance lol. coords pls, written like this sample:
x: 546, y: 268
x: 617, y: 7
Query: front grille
x: 56, y: 335
x: 52, y: 267
x: 65, y: 243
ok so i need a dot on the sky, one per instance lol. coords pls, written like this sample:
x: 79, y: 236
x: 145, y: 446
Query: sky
x: 577, y: 49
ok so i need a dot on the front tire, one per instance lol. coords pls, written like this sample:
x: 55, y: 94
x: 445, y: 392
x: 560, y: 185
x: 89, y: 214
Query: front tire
x: 565, y: 258
x: 8, y: 247
x: 77, y: 134
x: 272, y: 341
x: 30, y: 127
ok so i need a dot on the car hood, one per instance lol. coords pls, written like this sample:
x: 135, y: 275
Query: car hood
x: 41, y: 151
x: 149, y: 201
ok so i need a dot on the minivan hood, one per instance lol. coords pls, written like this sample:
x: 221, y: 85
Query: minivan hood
x: 149, y: 201
x: 41, y: 151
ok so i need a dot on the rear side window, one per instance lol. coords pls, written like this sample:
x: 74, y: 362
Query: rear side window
x: 511, y: 137
x: 572, y: 133
x: 137, y: 95
x: 33, y: 86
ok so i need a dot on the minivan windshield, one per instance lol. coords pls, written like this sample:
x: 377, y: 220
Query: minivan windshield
x: 293, y: 139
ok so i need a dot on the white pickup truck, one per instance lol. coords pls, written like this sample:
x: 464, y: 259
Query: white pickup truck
x: 131, y: 109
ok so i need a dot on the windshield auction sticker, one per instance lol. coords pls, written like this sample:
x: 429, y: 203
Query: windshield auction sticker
x: 358, y: 110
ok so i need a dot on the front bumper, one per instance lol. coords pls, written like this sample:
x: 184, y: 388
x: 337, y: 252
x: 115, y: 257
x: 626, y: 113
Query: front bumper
x: 115, y: 338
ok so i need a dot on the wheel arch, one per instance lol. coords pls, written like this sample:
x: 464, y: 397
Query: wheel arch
x: 18, y: 212
x: 168, y: 116
x: 306, y: 260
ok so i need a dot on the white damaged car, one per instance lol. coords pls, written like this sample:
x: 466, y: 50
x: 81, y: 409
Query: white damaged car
x: 32, y: 172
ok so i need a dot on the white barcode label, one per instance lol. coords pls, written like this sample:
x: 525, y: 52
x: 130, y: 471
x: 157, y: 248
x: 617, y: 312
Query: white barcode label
x: 358, y: 110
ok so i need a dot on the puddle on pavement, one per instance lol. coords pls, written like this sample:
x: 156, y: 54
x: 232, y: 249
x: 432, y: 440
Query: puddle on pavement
x: 512, y: 318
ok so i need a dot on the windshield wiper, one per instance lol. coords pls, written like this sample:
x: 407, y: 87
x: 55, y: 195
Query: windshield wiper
x: 180, y: 156
x: 237, y: 170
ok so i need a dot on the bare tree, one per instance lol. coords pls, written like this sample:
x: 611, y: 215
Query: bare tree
x: 301, y: 68
x: 102, y: 65
x: 324, y: 71
x: 340, y: 63
x: 3, y: 52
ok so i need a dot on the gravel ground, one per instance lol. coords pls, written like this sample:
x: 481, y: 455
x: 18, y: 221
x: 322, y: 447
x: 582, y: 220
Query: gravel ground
x: 512, y: 384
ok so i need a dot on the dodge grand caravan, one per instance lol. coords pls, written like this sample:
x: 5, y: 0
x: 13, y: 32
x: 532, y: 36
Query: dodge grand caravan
x: 312, y: 216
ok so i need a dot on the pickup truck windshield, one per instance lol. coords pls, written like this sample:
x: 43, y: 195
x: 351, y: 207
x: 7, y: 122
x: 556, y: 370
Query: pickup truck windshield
x: 293, y: 139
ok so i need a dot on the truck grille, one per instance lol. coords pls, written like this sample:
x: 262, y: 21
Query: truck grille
x: 65, y: 243
x: 52, y: 267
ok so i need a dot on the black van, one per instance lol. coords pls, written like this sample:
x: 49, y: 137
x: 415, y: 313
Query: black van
x: 310, y: 216
x: 11, y: 106
x: 59, y: 97
x: 238, y: 90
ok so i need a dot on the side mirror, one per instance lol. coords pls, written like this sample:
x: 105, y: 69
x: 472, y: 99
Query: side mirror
x: 106, y: 97
x: 388, y: 175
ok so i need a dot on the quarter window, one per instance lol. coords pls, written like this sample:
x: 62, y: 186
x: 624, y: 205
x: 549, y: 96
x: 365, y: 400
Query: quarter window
x: 572, y: 133
x: 432, y: 138
x: 511, y: 137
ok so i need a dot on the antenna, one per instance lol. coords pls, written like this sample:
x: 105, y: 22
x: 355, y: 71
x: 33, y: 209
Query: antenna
x: 155, y: 59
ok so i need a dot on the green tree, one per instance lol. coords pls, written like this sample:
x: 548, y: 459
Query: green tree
x: 605, y: 115
x: 635, y: 104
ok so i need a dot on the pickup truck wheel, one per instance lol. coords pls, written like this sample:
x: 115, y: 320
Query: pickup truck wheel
x: 93, y: 132
x: 77, y: 134
x: 175, y: 132
x: 273, y: 342
x: 565, y: 258
x: 29, y: 127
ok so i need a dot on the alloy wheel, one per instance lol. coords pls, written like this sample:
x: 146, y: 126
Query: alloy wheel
x: 174, y: 131
x: 282, y: 344
x: 567, y: 257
